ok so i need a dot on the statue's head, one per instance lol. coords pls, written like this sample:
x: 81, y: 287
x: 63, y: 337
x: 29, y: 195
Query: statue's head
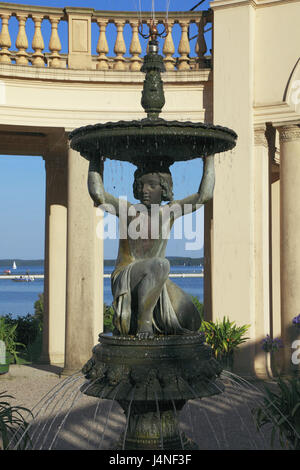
x: 152, y: 187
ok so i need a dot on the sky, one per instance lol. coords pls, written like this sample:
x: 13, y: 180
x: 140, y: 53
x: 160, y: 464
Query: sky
x: 22, y: 179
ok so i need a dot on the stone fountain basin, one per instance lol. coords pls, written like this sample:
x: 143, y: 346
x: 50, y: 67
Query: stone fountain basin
x: 160, y: 140
x: 162, y: 368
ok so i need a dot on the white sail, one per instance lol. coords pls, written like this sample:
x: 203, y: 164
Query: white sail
x: 14, y: 265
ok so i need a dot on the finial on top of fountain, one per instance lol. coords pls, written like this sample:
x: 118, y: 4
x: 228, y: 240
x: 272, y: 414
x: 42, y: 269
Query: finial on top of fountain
x: 153, y: 98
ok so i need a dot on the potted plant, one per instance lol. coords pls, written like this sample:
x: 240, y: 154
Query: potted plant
x: 281, y: 410
x: 224, y: 337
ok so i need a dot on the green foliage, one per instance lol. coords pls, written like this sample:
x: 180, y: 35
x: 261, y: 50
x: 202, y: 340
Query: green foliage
x: 39, y: 309
x: 281, y: 409
x: 12, y: 422
x: 24, y: 333
x: 26, y: 328
x: 223, y: 336
x: 8, y: 334
x: 108, y: 313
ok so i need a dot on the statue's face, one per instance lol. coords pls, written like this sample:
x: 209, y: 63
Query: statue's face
x: 150, y: 190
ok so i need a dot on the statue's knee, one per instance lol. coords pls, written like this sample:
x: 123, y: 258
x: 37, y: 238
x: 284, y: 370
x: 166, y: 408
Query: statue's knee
x: 162, y: 267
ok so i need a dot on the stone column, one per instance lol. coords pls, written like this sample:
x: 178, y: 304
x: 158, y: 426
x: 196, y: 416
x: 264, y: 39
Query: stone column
x: 233, y: 268
x: 276, y: 309
x: 55, y: 258
x: 290, y: 237
x: 261, y: 215
x: 208, y: 259
x: 274, y: 149
x: 84, y: 303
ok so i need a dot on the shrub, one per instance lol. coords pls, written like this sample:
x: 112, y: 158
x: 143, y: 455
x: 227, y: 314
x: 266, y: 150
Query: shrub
x: 281, y: 409
x: 26, y: 328
x: 223, y: 336
x: 39, y: 309
x: 108, y: 313
x: 8, y: 334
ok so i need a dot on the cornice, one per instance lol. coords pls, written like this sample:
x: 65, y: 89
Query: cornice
x: 97, y: 76
x: 222, y: 4
x: 279, y: 113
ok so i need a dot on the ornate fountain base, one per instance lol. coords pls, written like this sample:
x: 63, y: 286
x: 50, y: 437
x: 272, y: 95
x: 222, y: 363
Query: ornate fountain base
x: 152, y: 380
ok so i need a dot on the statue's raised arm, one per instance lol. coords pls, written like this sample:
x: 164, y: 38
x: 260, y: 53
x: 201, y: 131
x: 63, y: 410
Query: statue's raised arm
x: 205, y: 191
x: 96, y: 188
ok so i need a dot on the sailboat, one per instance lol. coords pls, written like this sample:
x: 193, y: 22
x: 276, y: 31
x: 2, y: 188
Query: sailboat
x: 14, y: 265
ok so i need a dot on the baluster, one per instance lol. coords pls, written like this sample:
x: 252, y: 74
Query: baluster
x: 102, y: 46
x: 5, y: 41
x: 120, y: 47
x: 169, y: 49
x: 55, y: 44
x: 135, y: 48
x: 184, y: 47
x: 38, y: 43
x: 201, y: 47
x: 22, y: 42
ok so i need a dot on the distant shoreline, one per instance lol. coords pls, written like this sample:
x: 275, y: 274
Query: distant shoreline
x: 21, y: 262
x: 174, y: 261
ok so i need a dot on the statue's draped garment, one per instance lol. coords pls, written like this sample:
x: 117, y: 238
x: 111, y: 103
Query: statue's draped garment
x: 154, y: 234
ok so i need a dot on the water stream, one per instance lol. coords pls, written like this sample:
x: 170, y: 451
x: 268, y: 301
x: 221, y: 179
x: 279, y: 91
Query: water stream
x: 66, y: 418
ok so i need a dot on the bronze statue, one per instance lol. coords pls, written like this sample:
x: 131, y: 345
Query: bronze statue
x: 146, y: 302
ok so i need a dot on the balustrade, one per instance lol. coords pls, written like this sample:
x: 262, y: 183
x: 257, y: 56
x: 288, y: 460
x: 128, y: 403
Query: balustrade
x: 123, y: 55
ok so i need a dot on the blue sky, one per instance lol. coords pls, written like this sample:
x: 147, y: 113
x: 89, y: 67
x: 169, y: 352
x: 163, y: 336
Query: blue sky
x: 125, y: 5
x: 22, y: 179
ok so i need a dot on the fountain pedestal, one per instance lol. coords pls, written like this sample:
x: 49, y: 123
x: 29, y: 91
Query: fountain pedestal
x: 152, y: 379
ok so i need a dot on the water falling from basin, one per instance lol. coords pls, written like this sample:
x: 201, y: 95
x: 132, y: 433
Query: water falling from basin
x: 87, y: 423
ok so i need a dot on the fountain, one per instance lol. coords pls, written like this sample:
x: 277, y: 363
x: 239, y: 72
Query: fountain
x: 156, y: 360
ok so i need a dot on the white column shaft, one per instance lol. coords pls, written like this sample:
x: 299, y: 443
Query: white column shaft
x: 84, y: 320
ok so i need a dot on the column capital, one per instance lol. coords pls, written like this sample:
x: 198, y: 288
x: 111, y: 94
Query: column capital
x: 260, y: 138
x: 289, y: 133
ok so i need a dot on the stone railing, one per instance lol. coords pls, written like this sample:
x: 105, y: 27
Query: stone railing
x: 83, y: 38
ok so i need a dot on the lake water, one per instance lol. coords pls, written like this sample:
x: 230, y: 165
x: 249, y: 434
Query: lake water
x: 18, y: 298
